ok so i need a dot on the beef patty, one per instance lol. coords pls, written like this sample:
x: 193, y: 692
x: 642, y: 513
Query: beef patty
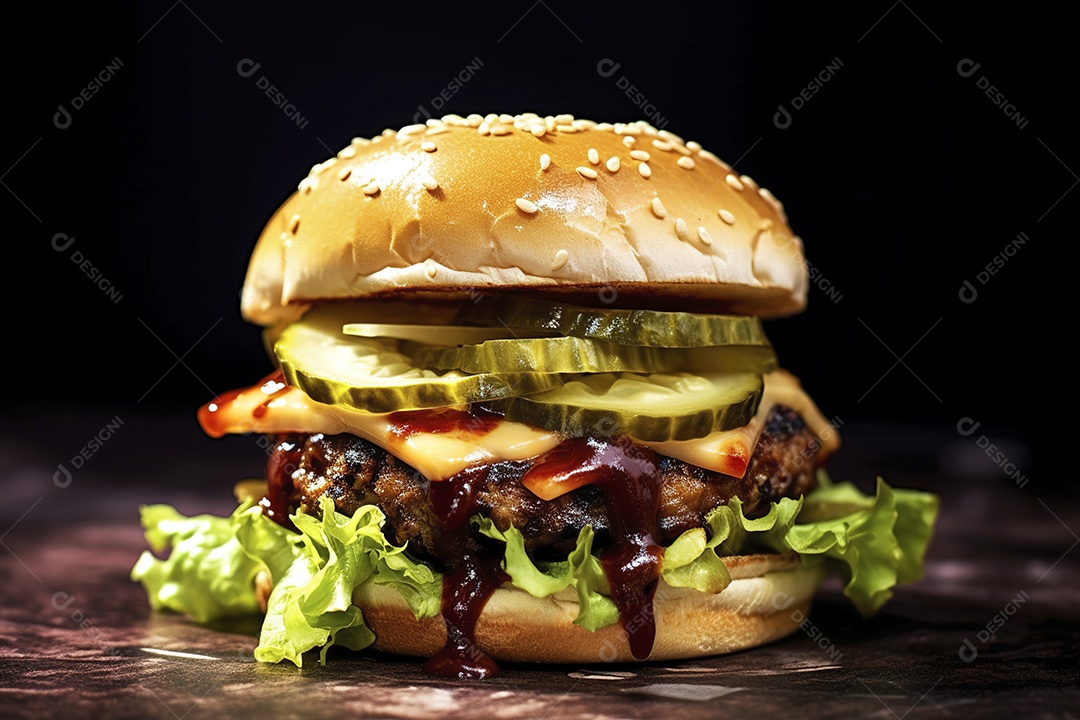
x: 354, y: 472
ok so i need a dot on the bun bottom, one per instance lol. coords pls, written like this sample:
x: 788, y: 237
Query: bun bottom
x: 767, y: 599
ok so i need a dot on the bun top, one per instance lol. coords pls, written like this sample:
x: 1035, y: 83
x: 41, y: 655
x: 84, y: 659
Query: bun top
x: 619, y: 214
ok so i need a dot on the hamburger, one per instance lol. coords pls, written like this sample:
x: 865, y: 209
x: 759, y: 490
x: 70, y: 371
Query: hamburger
x: 523, y: 408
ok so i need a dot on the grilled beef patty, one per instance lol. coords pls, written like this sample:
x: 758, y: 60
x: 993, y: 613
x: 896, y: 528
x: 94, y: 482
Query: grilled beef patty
x: 354, y: 472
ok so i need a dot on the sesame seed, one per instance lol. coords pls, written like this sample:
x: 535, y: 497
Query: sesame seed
x: 734, y: 182
x: 344, y: 174
x: 694, y: 146
x: 703, y: 235
x: 412, y: 129
x: 361, y: 142
x: 484, y: 128
x: 682, y: 149
x: 430, y: 270
x: 645, y: 170
x: 307, y: 185
x: 560, y: 259
x: 685, y: 162
x: 474, y: 120
x: 604, y: 127
x: 429, y: 182
x: 586, y: 172
x: 770, y: 198
x: 564, y: 119
x: 749, y: 182
x: 506, y: 118
x: 566, y: 128
x: 766, y: 224
x: 629, y: 140
x: 658, y: 208
x: 613, y: 163
x: 662, y: 145
x: 594, y: 156
x: 583, y: 124
x: 681, y: 231
x: 294, y: 224
x: 538, y: 130
x: 491, y: 118
x: 709, y: 156
x: 727, y: 217
x: 347, y: 152
x: 545, y: 161
x: 500, y: 130
x: 372, y: 188
x: 671, y: 137
x: 427, y: 146
x: 640, y: 155
x: 526, y: 206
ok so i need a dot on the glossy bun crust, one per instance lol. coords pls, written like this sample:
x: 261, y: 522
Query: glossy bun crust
x: 620, y: 213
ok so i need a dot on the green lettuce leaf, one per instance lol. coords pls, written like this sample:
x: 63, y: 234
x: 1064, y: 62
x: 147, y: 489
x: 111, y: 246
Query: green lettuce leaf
x: 875, y: 542
x: 208, y: 575
x: 581, y: 569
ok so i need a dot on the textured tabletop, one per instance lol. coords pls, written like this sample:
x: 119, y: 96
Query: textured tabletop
x: 993, y: 630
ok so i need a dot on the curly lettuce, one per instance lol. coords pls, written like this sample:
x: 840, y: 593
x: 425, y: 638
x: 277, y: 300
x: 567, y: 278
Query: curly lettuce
x: 875, y: 542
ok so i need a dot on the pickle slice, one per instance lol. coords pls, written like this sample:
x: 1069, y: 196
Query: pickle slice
x: 625, y: 327
x: 370, y: 374
x: 582, y: 355
x: 654, y: 408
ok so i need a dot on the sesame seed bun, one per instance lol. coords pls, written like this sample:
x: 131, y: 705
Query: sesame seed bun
x: 523, y: 204
x: 768, y: 597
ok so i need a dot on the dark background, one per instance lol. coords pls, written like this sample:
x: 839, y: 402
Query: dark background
x: 901, y: 175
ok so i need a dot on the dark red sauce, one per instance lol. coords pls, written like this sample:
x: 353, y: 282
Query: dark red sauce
x: 472, y: 578
x: 443, y: 420
x: 283, y: 462
x: 213, y: 421
x: 629, y: 476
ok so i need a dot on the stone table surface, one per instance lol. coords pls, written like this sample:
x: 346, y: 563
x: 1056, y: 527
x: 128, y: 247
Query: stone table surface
x: 992, y: 631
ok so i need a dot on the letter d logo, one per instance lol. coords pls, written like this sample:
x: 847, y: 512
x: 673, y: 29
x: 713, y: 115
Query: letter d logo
x: 782, y: 118
x: 62, y: 118
x: 62, y: 477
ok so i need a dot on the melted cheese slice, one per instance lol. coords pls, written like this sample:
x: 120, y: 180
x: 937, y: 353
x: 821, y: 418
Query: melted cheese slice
x: 274, y: 408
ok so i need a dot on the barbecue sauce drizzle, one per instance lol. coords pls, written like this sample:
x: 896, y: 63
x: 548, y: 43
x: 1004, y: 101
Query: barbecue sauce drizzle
x: 627, y: 473
x: 473, y: 577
